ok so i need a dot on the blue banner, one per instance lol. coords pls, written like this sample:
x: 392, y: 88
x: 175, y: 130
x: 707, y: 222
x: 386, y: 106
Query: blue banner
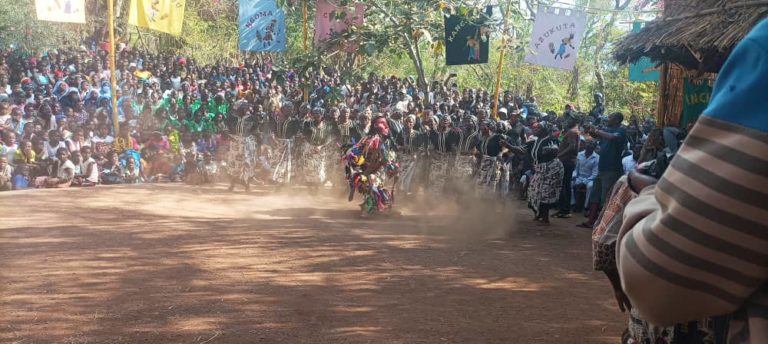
x: 262, y: 26
x: 644, y: 70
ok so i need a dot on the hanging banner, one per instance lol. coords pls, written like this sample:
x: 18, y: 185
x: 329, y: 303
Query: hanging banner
x: 466, y: 39
x: 644, y: 70
x: 66, y: 11
x: 159, y: 15
x: 331, y: 19
x: 696, y: 95
x: 556, y: 37
x: 262, y: 26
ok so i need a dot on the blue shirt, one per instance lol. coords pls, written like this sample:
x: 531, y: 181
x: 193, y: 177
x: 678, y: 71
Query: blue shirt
x: 586, y: 168
x: 611, y: 150
x: 20, y: 182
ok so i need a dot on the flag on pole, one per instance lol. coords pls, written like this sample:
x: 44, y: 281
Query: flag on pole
x: 330, y: 18
x: 556, y: 37
x: 67, y: 11
x: 467, y: 39
x: 262, y: 26
x: 160, y: 15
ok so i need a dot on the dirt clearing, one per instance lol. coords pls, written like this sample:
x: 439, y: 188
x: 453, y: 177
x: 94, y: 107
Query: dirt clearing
x: 179, y: 264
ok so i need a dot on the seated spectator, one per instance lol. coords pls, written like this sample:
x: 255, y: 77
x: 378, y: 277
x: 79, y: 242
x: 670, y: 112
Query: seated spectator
x: 111, y: 171
x: 584, y: 175
x: 131, y: 175
x: 64, y: 172
x: 630, y: 161
x: 53, y: 144
x: 208, y: 168
x: 102, y: 141
x: 21, y: 179
x: 9, y: 146
x: 78, y: 141
x: 25, y: 154
x: 6, y: 173
x: 89, y: 168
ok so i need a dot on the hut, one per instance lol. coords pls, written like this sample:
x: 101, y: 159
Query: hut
x: 690, y: 42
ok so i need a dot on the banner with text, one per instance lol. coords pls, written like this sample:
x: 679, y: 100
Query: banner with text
x: 331, y: 18
x: 696, y: 95
x: 262, y: 26
x: 466, y: 39
x: 67, y: 11
x: 643, y: 70
x: 556, y: 37
x: 159, y: 15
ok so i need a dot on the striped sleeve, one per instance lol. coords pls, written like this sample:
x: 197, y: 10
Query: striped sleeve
x: 696, y: 244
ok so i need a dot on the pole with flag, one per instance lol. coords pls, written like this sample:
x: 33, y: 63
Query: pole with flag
x: 501, y: 61
x: 305, y: 14
x: 112, y: 72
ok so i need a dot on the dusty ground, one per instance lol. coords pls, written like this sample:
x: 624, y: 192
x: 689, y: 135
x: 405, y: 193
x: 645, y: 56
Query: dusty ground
x: 179, y: 264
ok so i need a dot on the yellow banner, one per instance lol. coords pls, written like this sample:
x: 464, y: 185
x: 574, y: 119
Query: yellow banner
x: 67, y: 11
x: 161, y: 15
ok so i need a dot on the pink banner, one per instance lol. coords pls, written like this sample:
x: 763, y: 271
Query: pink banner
x: 326, y: 23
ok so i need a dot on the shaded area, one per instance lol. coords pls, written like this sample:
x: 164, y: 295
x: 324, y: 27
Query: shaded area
x: 193, y: 265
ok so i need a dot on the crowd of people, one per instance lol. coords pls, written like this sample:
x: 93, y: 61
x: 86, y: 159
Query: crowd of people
x: 180, y: 121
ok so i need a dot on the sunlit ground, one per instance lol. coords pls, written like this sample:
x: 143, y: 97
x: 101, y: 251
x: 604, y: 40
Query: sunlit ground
x: 179, y: 264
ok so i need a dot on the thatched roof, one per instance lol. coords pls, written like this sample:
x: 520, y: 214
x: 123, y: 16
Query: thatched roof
x: 696, y: 34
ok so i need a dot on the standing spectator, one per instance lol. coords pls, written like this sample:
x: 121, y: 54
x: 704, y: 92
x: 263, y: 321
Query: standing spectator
x: 567, y: 153
x: 613, y: 140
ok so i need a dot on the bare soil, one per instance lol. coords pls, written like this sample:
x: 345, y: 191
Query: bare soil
x: 182, y: 264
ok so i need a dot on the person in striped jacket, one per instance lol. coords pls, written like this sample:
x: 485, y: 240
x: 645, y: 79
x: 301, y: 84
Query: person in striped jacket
x: 695, y: 243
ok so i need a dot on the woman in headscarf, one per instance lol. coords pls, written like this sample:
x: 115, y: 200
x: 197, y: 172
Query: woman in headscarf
x: 489, y: 151
x: 410, y: 142
x: 547, y: 180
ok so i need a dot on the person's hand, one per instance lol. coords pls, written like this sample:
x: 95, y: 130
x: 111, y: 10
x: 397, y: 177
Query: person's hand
x: 638, y: 181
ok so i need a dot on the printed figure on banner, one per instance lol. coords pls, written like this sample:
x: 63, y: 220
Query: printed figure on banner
x: 466, y: 40
x: 66, y: 11
x: 262, y: 26
x: 331, y: 19
x: 160, y: 15
x: 556, y: 37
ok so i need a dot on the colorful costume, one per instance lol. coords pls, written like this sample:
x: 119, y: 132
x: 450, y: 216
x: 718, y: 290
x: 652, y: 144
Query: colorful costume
x: 368, y: 164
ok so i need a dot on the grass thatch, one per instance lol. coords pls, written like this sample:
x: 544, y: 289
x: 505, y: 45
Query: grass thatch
x: 696, y: 34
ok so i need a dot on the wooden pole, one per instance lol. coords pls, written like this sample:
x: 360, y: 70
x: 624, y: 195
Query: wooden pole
x: 305, y: 14
x: 112, y: 66
x: 501, y: 61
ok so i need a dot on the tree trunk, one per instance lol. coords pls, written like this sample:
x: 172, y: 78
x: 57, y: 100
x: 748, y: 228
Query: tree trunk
x: 601, y: 41
x: 573, y: 93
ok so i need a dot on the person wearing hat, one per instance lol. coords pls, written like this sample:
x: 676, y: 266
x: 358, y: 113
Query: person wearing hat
x: 502, y: 114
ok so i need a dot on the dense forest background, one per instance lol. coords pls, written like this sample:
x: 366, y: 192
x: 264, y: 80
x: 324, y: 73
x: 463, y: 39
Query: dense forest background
x: 400, y: 37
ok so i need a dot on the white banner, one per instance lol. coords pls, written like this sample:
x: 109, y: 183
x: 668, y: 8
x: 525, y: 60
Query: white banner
x: 556, y: 37
x: 67, y: 11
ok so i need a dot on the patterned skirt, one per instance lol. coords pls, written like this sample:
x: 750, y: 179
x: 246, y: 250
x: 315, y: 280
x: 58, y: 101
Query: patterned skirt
x: 408, y: 167
x: 439, y: 171
x: 242, y: 157
x: 546, y: 184
x: 281, y: 160
x: 488, y: 176
x: 311, y: 166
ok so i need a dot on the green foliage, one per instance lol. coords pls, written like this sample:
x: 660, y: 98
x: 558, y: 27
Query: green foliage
x: 403, y: 38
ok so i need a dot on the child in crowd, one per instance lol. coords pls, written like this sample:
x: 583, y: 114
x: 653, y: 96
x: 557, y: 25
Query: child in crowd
x: 6, y: 173
x: 21, y: 179
x: 112, y: 172
x: 131, y: 175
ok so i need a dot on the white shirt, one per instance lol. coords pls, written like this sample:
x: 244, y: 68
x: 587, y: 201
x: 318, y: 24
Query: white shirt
x: 50, y: 151
x: 107, y: 139
x: 629, y: 163
x: 10, y: 151
x: 94, y: 176
x: 62, y: 171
